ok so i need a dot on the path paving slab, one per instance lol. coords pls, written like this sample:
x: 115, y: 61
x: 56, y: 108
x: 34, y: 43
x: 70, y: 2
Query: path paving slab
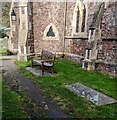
x: 37, y: 71
x: 94, y: 96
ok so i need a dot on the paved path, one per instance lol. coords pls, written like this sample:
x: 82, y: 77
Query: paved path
x: 8, y: 57
x: 33, y: 91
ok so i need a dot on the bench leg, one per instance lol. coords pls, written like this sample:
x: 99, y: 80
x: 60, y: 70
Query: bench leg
x: 32, y: 63
x: 52, y: 70
x: 42, y: 68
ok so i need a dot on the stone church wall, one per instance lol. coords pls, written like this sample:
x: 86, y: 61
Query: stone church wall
x: 69, y: 18
x: 45, y: 13
x: 108, y: 51
x: 78, y: 46
x: 107, y: 57
x: 108, y: 25
x: 110, y: 69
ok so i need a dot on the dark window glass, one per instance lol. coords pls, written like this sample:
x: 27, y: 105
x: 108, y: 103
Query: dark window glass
x: 83, y: 20
x: 91, y: 34
x: 77, y: 20
x: 50, y: 33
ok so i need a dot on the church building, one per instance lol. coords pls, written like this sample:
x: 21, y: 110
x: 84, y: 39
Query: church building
x: 83, y: 31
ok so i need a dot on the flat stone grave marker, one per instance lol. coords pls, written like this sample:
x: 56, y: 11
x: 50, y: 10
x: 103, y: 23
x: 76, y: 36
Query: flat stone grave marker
x: 94, y: 96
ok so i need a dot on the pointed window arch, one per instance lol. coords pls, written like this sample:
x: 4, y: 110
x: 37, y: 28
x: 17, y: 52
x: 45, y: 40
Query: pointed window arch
x: 51, y: 33
x: 79, y: 18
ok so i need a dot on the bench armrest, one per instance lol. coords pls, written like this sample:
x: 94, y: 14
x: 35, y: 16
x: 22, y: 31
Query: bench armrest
x: 35, y: 56
x: 47, y: 61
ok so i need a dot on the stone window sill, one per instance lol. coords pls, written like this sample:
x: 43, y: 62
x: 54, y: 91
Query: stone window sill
x: 76, y: 37
x: 50, y: 38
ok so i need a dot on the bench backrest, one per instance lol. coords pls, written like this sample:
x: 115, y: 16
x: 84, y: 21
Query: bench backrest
x: 46, y: 55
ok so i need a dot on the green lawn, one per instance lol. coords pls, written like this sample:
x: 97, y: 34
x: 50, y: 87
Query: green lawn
x: 19, y: 105
x: 0, y: 96
x: 75, y: 105
x: 11, y: 104
x: 5, y: 52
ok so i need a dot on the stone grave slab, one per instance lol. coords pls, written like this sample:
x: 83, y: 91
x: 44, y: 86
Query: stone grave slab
x: 37, y: 72
x: 94, y: 96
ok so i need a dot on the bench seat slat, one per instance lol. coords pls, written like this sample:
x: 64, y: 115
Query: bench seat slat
x: 45, y: 63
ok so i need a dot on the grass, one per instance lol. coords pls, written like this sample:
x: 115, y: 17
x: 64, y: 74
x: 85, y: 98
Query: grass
x: 75, y: 105
x: 19, y: 105
x: 5, y: 52
x: 0, y: 96
x: 12, y: 104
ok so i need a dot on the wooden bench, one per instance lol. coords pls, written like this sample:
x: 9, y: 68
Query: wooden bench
x: 45, y: 60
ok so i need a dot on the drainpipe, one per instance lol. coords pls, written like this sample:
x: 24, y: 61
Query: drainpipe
x: 64, y: 30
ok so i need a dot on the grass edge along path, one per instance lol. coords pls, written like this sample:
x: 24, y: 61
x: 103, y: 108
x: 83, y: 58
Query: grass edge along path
x: 12, y: 103
x: 19, y: 106
x: 72, y: 104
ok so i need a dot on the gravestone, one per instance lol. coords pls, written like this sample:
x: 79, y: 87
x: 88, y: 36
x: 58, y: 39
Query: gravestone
x: 94, y: 96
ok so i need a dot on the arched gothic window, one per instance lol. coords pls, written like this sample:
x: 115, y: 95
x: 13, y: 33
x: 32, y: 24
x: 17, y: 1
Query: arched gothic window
x: 79, y: 18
